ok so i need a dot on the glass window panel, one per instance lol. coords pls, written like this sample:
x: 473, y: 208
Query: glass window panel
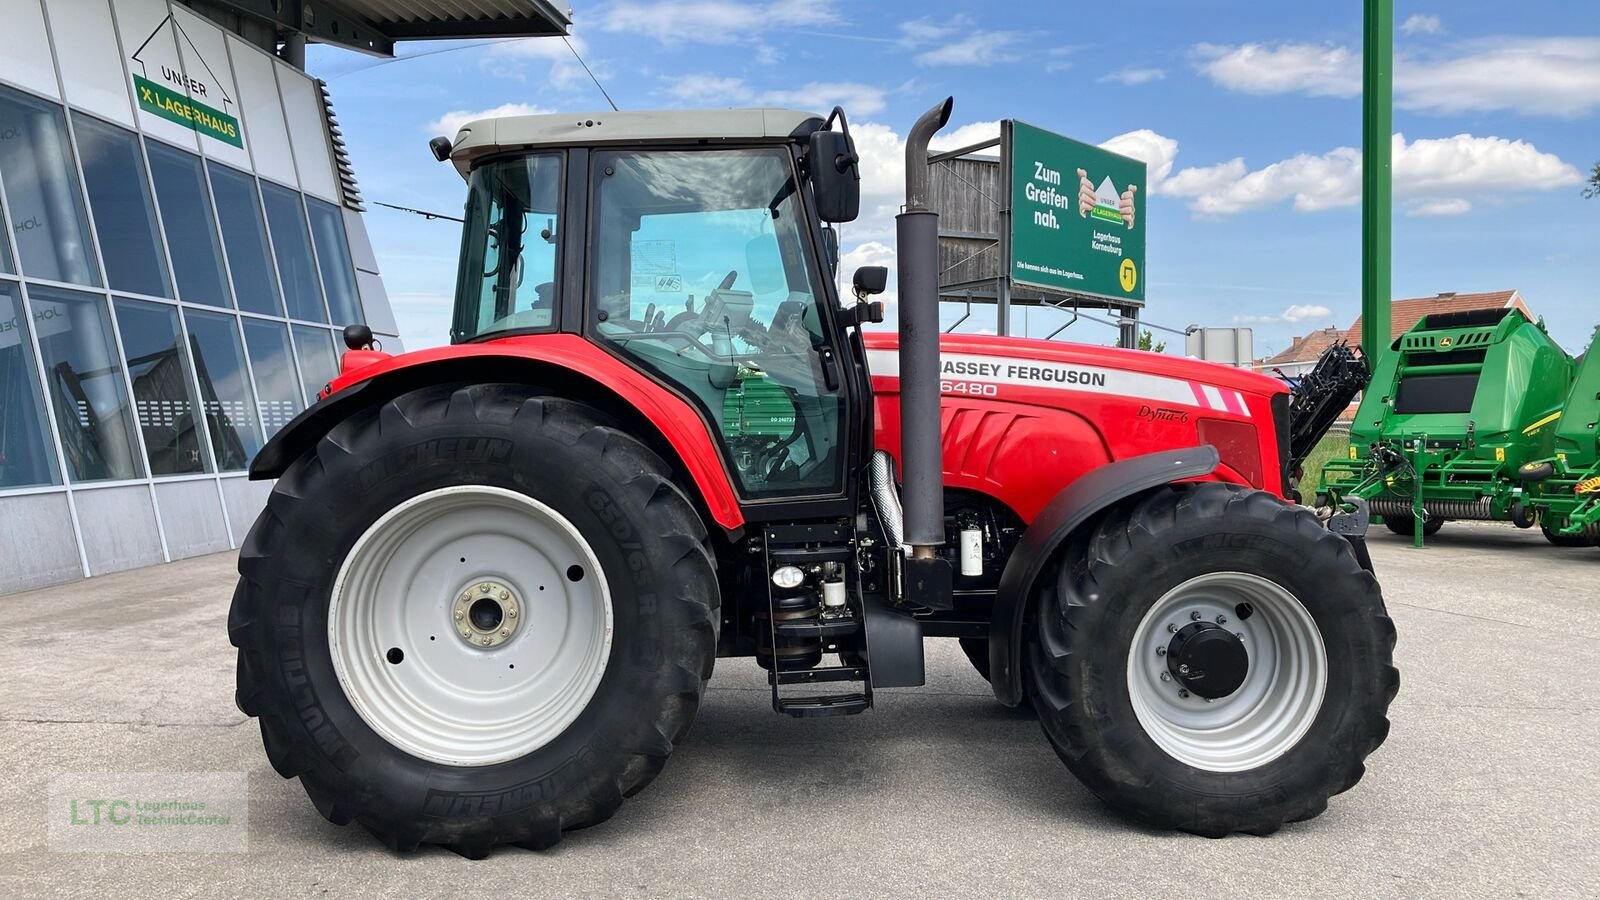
x: 230, y: 401
x: 84, y: 379
x: 5, y: 246
x: 46, y: 206
x: 25, y: 454
x: 292, y: 245
x: 245, y: 235
x: 124, y: 218
x: 277, y: 387
x: 508, y: 270
x: 191, y: 229
x: 333, y: 260
x: 318, y: 362
x: 163, y: 392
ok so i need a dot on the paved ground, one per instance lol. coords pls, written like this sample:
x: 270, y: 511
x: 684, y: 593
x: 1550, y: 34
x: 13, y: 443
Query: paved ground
x: 1488, y: 785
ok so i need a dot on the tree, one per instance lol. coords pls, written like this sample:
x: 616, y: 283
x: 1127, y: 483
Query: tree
x: 1147, y: 341
x: 1592, y: 189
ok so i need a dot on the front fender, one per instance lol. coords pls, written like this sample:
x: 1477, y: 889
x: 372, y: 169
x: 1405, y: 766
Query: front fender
x: 564, y: 364
x: 1076, y: 504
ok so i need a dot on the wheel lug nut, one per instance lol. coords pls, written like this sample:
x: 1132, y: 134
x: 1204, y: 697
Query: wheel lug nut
x: 1183, y: 669
x: 460, y: 615
x: 1239, y: 635
x: 504, y: 632
x: 486, y: 639
x: 1161, y: 651
x: 1222, y: 620
x: 1183, y: 693
x: 512, y: 612
x: 1165, y: 676
x: 1173, y: 629
x: 505, y: 595
x: 1194, y: 616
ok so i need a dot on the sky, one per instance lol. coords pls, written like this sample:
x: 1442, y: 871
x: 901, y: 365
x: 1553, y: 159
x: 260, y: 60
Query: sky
x: 1248, y: 115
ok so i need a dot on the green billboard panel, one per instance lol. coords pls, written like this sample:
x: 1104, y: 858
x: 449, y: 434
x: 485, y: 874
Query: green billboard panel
x: 1077, y: 217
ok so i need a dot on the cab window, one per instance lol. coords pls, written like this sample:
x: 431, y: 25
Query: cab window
x: 701, y: 274
x: 508, y: 272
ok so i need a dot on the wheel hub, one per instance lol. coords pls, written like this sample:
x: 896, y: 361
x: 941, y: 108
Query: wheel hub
x: 1209, y: 660
x: 485, y: 614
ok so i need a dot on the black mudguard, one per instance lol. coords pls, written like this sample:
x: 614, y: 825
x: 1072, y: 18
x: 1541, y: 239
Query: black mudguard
x: 1077, y: 504
x: 294, y: 439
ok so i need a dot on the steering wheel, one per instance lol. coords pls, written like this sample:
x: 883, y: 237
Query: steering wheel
x: 685, y: 320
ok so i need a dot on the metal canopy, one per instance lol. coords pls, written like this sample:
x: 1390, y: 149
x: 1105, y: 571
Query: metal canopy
x: 374, y: 26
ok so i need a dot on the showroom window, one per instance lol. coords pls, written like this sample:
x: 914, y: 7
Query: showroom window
x: 292, y: 246
x: 163, y: 393
x: 278, y: 390
x: 42, y: 192
x: 224, y: 388
x: 25, y: 457
x: 5, y: 248
x: 318, y: 362
x: 245, y: 235
x: 124, y: 216
x: 333, y: 259
x: 84, y: 382
x: 191, y: 229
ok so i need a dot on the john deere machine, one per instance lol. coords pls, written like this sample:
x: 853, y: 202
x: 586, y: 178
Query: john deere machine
x: 483, y: 601
x: 1565, y: 486
x: 1461, y: 403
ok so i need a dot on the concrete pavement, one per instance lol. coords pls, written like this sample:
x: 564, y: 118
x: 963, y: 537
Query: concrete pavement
x: 1488, y: 786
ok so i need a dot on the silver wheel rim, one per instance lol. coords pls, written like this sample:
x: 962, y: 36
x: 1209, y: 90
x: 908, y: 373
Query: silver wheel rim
x: 1270, y: 711
x: 459, y: 692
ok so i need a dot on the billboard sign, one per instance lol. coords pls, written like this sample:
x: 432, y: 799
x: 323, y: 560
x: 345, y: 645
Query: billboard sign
x: 1077, y: 217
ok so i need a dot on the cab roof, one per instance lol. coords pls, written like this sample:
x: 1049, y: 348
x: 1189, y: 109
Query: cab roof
x: 485, y: 137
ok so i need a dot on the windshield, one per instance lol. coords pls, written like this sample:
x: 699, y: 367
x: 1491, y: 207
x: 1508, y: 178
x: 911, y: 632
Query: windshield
x: 508, y: 271
x: 701, y: 273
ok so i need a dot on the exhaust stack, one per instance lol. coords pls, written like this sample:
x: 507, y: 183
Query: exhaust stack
x: 917, y: 257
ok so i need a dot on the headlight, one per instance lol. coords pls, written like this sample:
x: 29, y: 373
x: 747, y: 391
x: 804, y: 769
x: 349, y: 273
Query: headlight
x: 788, y: 577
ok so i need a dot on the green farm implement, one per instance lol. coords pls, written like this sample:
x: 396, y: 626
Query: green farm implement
x: 1565, y: 487
x: 1463, y: 404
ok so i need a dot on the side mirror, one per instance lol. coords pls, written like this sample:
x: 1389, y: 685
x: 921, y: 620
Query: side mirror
x: 835, y: 176
x: 440, y: 147
x: 358, y: 337
x: 830, y: 247
x: 870, y: 280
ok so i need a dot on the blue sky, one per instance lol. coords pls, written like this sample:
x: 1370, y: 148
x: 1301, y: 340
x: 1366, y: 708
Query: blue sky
x: 1248, y: 114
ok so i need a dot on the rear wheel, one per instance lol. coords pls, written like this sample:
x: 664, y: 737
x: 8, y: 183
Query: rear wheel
x: 1565, y: 540
x: 474, y: 617
x: 1405, y: 526
x: 1214, y: 660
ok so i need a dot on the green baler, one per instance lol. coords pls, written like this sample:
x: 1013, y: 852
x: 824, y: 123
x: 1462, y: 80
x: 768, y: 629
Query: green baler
x: 1461, y: 403
x: 1565, y: 487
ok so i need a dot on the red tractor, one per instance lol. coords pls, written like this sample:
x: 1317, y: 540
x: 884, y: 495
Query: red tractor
x: 483, y: 601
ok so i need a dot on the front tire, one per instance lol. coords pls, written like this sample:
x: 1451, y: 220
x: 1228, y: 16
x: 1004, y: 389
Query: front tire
x: 1219, y: 582
x: 409, y: 698
x: 1558, y: 539
x: 1405, y: 526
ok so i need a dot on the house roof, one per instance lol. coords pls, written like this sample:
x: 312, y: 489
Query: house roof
x: 1404, y: 314
x: 1304, y: 349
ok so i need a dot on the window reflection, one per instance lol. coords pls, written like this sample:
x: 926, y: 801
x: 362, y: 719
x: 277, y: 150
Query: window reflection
x: 84, y: 380
x: 25, y: 457
x: 224, y: 388
x: 163, y: 394
x: 191, y: 229
x: 124, y: 218
x: 318, y: 363
x: 45, y: 205
x: 333, y: 260
x: 245, y: 235
x: 292, y: 247
x: 278, y: 390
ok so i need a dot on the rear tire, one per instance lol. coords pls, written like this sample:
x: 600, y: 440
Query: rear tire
x: 1274, y: 749
x: 322, y: 704
x: 1405, y: 526
x: 1557, y: 539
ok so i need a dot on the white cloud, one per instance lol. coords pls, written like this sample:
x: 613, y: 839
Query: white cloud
x: 1315, y: 69
x: 1455, y: 207
x: 713, y: 21
x: 508, y: 59
x: 451, y: 122
x: 1132, y: 77
x: 1299, y: 312
x: 1557, y: 77
x: 977, y: 48
x: 966, y: 136
x: 1438, y: 169
x: 704, y: 89
x: 1421, y: 24
x: 1157, y: 151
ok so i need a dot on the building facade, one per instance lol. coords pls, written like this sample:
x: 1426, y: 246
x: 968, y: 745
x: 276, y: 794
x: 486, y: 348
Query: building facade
x: 182, y: 245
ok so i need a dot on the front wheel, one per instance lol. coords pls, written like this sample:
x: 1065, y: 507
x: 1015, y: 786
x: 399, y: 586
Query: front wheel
x: 1557, y: 539
x: 1213, y: 660
x: 1405, y: 526
x: 473, y: 617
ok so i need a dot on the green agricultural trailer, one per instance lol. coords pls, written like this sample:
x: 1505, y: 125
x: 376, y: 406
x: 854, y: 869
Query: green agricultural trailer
x: 1455, y: 408
x: 1565, y: 488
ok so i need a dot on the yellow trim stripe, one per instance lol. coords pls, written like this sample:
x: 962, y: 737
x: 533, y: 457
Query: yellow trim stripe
x: 1541, y: 423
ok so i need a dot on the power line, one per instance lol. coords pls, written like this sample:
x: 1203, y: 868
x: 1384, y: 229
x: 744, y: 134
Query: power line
x: 590, y: 74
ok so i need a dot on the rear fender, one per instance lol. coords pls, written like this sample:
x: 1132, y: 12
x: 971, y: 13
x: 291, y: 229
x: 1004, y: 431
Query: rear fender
x: 562, y: 365
x: 1075, y: 506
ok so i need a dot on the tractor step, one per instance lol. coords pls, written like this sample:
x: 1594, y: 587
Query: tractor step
x: 826, y: 705
x: 825, y: 629
x: 815, y: 676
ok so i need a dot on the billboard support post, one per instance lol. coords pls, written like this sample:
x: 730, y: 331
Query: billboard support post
x: 1377, y: 121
